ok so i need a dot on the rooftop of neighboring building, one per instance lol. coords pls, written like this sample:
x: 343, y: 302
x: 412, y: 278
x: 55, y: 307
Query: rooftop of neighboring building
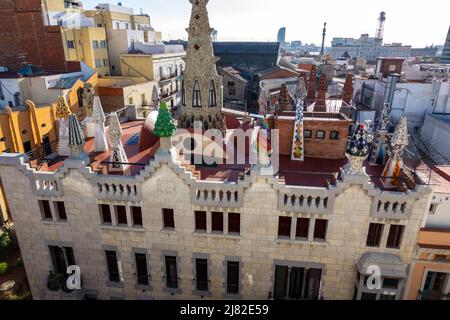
x: 233, y: 73
x: 437, y: 177
x: 272, y: 48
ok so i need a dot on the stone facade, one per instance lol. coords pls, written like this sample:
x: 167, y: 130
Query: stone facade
x: 349, y: 207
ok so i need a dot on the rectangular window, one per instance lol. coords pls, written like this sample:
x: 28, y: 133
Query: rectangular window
x: 26, y: 144
x: 302, y: 228
x: 60, y: 210
x: 62, y: 257
x: 233, y: 277
x: 168, y: 219
x: 137, y: 216
x: 374, y: 235
x: 284, y: 227
x: 217, y: 221
x: 121, y: 213
x: 320, y: 229
x: 105, y: 62
x: 113, y: 267
x: 201, y: 274
x: 390, y: 283
x: 103, y: 44
x: 320, y: 134
x: 70, y: 44
x: 281, y: 279
x: 45, y: 209
x: 95, y: 44
x: 334, y: 135
x: 105, y: 212
x: 98, y: 63
x: 141, y: 269
x: 171, y: 272
x: 200, y: 221
x: 307, y: 134
x: 234, y: 223
x: 395, y: 236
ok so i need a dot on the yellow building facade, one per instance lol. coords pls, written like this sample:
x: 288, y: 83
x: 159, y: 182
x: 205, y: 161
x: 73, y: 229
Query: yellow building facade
x: 87, y: 44
x: 119, y: 20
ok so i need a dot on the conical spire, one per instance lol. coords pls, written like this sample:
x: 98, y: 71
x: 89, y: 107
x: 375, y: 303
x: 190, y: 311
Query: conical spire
x: 312, y: 83
x: 76, y: 137
x: 322, y: 91
x: 62, y: 108
x: 98, y: 116
x: 347, y: 92
x: 300, y: 89
x: 62, y: 114
x: 392, y: 171
x: 202, y: 85
x: 97, y: 111
x: 283, y: 98
x: 118, y: 156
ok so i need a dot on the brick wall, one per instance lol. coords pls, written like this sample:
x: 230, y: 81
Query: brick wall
x: 23, y: 33
x: 316, y: 148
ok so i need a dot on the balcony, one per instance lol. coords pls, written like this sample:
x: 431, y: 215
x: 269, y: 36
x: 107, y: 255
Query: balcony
x: 169, y: 77
x: 168, y: 95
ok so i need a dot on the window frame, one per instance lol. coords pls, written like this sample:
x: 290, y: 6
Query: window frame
x: 233, y: 285
x: 396, y: 232
x: 378, y: 235
x: 113, y: 273
x: 320, y: 131
x: 136, y: 212
x: 102, y: 206
x: 217, y: 222
x: 283, y: 223
x: 46, y: 211
x: 305, y: 136
x: 203, y: 220
x: 60, y: 209
x: 119, y: 215
x: 171, y: 283
x: 333, y: 132
x: 234, y: 224
x: 299, y: 225
x: 315, y: 236
x: 169, y: 217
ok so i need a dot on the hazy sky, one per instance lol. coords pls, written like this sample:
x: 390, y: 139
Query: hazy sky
x: 413, y: 22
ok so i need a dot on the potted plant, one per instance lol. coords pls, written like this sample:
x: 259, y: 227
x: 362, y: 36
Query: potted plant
x: 52, y: 282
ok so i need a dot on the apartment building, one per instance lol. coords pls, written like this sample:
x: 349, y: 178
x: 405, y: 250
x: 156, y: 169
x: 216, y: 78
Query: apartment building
x: 118, y: 17
x: 430, y: 270
x: 158, y: 64
x: 89, y: 45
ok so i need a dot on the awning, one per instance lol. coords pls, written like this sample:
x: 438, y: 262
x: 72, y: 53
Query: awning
x: 390, y: 265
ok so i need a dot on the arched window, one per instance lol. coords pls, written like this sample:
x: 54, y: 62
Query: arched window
x: 183, y: 94
x: 212, y: 94
x: 196, y: 96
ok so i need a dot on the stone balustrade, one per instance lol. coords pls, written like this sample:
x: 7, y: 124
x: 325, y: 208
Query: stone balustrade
x: 118, y: 190
x: 391, y: 206
x: 217, y: 195
x: 305, y: 200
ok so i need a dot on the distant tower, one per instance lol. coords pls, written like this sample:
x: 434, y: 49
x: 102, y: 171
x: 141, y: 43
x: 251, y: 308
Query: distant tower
x: 281, y: 38
x: 202, y: 86
x: 324, y: 33
x: 380, y: 29
x: 214, y: 35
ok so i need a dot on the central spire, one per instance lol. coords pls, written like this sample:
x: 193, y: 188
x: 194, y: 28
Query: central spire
x: 202, y: 86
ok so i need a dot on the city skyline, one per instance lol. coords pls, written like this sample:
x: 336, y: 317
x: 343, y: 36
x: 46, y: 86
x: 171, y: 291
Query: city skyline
x: 172, y: 17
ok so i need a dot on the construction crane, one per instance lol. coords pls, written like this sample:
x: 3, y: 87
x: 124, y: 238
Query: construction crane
x: 380, y: 28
